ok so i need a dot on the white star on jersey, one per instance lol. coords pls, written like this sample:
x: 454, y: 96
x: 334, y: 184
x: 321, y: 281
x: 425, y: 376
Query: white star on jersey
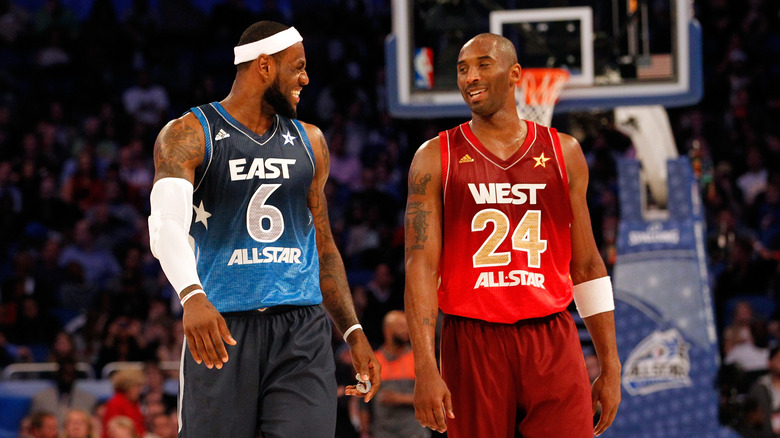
x: 288, y: 138
x: 201, y: 215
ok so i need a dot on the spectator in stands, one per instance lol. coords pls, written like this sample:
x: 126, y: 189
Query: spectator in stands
x: 76, y: 293
x: 766, y: 393
x: 50, y: 210
x: 77, y: 425
x: 170, y: 346
x: 10, y: 205
x: 35, y: 327
x: 99, y: 265
x: 82, y: 183
x: 382, y: 296
x: 121, y: 427
x: 767, y: 208
x: 741, y: 276
x: 154, y: 391
x: 64, y: 396
x: 63, y: 348
x: 130, y: 290
x: 13, y: 21
x: 123, y: 342
x: 345, y: 169
x: 738, y: 331
x: 128, y: 384
x: 391, y: 413
x: 10, y: 353
x: 48, y: 274
x: 21, y: 283
x: 44, y: 425
x: 754, y: 180
x: 145, y: 101
x: 135, y: 170
x: 160, y: 426
x: 753, y: 355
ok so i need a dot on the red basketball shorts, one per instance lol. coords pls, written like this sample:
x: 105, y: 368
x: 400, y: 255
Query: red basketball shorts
x: 527, y: 378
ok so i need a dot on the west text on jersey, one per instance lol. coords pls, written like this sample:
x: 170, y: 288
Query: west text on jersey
x: 512, y: 278
x: 269, y: 168
x: 271, y: 254
x: 504, y: 193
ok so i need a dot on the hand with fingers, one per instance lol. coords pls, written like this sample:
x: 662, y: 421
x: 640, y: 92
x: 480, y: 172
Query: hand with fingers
x: 606, y: 397
x: 366, y: 365
x: 432, y: 401
x: 206, y: 332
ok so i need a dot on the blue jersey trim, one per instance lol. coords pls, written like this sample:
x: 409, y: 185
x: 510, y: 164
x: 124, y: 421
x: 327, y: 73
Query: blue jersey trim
x: 306, y: 142
x: 204, y: 123
x: 255, y: 137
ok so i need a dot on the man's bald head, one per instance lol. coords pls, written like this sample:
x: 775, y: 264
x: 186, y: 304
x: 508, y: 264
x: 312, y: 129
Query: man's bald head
x: 504, y: 50
x: 395, y: 329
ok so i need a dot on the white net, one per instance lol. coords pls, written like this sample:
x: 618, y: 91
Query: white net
x: 537, y: 93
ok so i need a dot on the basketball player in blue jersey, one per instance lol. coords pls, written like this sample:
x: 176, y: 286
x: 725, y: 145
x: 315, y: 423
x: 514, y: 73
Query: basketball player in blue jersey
x: 255, y: 266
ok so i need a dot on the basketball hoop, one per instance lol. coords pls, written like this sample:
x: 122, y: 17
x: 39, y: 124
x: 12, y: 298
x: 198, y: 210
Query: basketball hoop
x: 537, y: 92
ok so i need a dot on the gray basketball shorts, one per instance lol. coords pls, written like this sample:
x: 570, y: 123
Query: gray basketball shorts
x: 278, y: 383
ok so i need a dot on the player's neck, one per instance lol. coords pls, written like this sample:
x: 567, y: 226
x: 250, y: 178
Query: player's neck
x: 504, y: 120
x: 251, y: 111
x: 502, y: 133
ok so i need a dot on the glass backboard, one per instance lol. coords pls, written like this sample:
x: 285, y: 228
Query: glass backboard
x: 619, y: 53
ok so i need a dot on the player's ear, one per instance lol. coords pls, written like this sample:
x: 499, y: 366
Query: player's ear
x: 515, y: 73
x: 265, y: 66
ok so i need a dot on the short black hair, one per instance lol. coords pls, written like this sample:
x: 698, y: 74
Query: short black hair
x: 260, y: 30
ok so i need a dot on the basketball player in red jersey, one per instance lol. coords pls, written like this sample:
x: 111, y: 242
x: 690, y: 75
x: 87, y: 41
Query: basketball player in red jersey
x: 496, y: 216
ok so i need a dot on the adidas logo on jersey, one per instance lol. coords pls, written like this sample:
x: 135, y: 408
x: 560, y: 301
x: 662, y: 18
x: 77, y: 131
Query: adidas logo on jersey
x: 221, y: 134
x: 466, y: 159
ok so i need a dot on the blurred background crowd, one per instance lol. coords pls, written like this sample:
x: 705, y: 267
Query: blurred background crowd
x: 84, y: 92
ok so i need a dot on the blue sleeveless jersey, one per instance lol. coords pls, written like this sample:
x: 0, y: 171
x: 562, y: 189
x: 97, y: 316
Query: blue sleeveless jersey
x: 253, y: 232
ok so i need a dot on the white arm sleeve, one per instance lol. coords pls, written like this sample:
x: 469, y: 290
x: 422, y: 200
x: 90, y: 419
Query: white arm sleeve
x: 169, y: 226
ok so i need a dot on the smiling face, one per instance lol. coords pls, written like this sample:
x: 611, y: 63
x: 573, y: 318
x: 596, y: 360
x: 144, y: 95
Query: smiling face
x: 285, y: 92
x: 487, y: 71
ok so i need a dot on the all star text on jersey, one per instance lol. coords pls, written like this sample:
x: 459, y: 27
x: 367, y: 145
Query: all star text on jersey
x: 506, y: 193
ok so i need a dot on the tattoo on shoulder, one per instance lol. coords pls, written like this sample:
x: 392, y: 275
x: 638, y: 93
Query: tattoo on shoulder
x: 417, y: 184
x: 181, y: 145
x: 417, y: 217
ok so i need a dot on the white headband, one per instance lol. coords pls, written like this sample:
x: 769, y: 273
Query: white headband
x: 266, y: 46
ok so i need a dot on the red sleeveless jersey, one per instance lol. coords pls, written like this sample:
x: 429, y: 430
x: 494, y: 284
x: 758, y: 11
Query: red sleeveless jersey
x: 506, y: 244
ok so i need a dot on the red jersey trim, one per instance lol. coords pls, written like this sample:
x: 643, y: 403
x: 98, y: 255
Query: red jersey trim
x: 444, y: 148
x: 530, y: 138
x: 558, y: 149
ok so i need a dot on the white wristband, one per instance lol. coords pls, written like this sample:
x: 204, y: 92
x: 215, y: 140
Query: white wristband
x: 191, y: 294
x: 350, y: 330
x: 594, y: 296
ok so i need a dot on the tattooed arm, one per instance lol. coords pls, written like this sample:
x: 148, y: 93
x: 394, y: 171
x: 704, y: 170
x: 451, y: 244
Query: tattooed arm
x: 423, y: 223
x: 333, y: 279
x: 178, y: 151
